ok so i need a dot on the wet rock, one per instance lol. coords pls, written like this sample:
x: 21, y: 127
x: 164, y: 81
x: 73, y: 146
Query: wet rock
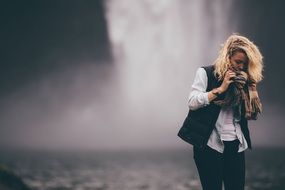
x: 10, y: 181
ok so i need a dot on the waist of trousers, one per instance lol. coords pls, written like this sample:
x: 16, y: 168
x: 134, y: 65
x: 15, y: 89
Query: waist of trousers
x: 231, y: 146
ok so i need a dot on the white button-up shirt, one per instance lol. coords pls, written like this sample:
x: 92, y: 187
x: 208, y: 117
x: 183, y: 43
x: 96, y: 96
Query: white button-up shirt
x: 226, y: 127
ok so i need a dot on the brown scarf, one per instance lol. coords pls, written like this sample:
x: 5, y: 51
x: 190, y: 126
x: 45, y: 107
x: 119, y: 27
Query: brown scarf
x: 242, y: 91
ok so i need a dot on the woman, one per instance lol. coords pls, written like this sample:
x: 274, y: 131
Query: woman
x: 223, y: 98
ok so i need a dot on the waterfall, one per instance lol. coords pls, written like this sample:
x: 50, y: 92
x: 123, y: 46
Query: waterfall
x: 157, y: 47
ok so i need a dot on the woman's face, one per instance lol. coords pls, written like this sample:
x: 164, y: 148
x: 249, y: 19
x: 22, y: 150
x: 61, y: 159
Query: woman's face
x: 239, y: 60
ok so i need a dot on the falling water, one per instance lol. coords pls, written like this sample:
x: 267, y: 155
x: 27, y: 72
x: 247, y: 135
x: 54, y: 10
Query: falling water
x: 158, y: 45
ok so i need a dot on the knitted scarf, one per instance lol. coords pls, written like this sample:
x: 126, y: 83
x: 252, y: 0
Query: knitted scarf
x: 242, y: 91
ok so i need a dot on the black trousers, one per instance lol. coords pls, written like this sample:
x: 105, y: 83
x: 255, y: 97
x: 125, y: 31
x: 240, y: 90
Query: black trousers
x: 214, y: 167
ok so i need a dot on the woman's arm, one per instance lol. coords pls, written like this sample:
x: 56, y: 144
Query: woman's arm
x: 198, y: 96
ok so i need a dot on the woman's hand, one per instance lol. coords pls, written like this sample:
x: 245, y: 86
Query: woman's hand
x: 224, y: 86
x: 227, y: 81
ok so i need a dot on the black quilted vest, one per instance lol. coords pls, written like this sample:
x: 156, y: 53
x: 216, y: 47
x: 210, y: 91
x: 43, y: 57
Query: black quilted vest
x: 199, y: 124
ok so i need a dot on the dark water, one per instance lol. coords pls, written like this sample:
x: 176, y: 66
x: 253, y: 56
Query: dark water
x: 142, y: 170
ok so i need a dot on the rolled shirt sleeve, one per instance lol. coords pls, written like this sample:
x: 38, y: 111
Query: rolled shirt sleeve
x: 198, y: 97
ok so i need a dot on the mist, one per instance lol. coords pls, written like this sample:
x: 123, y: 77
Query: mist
x: 132, y: 93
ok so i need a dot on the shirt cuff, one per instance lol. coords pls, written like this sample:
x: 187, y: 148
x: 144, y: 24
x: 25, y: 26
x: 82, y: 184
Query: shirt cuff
x: 206, y: 98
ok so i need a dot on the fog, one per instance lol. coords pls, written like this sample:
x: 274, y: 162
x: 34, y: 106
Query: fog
x: 137, y: 99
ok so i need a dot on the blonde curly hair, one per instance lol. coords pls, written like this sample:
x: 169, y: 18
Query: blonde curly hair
x: 239, y: 43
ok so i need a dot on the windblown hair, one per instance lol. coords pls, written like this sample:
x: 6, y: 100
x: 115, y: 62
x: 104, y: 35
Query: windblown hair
x: 239, y: 43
